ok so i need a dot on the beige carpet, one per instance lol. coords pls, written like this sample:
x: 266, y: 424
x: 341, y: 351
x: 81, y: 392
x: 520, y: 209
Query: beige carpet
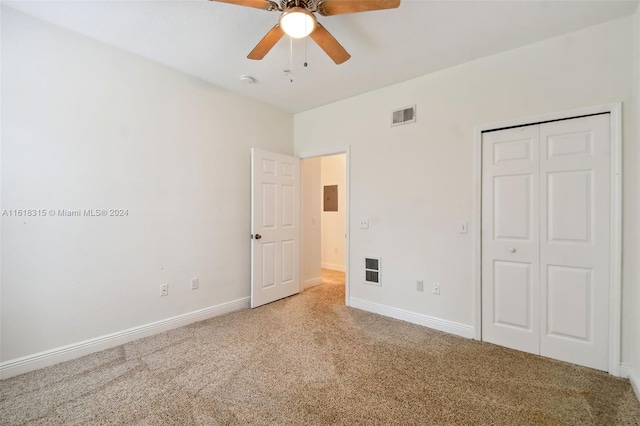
x: 310, y: 360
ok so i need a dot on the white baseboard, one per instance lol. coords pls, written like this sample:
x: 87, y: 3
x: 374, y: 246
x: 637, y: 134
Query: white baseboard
x: 65, y: 353
x: 412, y: 317
x: 333, y: 267
x: 311, y: 283
x: 635, y: 383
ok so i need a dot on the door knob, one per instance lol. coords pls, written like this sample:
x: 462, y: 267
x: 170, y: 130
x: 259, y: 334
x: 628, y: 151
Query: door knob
x: 512, y: 250
x: 258, y: 236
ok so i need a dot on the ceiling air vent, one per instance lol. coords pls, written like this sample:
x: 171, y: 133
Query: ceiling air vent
x: 403, y: 116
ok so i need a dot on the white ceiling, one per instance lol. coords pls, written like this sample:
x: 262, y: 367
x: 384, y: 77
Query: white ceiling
x: 211, y: 40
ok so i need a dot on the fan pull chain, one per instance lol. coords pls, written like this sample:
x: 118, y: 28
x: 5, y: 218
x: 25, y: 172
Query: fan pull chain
x: 306, y: 64
x: 290, y: 59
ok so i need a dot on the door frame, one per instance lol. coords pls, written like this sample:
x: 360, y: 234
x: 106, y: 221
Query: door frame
x: 325, y: 153
x: 615, y: 241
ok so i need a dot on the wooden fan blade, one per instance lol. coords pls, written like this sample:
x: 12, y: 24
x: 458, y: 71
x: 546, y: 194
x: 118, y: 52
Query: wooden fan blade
x: 266, y: 43
x: 339, y: 7
x: 329, y: 44
x: 257, y: 4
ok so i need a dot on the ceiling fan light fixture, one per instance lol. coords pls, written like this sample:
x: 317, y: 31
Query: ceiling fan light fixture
x: 298, y: 22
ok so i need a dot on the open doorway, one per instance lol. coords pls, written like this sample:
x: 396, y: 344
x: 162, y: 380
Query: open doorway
x: 324, y: 220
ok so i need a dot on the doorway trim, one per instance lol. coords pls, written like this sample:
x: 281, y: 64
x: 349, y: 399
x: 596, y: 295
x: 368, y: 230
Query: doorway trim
x: 615, y: 242
x: 325, y: 153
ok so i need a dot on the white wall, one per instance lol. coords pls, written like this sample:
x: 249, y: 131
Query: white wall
x: 415, y: 182
x: 334, y: 223
x: 86, y: 126
x: 310, y: 216
x: 635, y: 370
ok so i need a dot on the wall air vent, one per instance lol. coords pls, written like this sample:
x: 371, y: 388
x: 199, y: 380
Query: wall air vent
x: 403, y: 116
x: 372, y: 270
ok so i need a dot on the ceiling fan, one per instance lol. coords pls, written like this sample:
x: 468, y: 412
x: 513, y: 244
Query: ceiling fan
x: 298, y: 21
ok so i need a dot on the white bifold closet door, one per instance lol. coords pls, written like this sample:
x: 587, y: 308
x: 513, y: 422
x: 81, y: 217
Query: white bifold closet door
x: 546, y: 239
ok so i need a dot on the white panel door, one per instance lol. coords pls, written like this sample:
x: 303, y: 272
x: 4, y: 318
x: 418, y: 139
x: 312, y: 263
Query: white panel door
x: 574, y: 240
x: 546, y: 239
x: 275, y: 226
x: 510, y: 242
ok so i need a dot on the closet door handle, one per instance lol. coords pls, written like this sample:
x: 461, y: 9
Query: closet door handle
x: 258, y: 236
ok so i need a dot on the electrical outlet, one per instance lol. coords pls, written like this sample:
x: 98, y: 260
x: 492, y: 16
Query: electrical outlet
x: 195, y: 283
x: 364, y: 223
x: 463, y: 227
x: 419, y: 285
x: 436, y: 289
x: 164, y: 290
